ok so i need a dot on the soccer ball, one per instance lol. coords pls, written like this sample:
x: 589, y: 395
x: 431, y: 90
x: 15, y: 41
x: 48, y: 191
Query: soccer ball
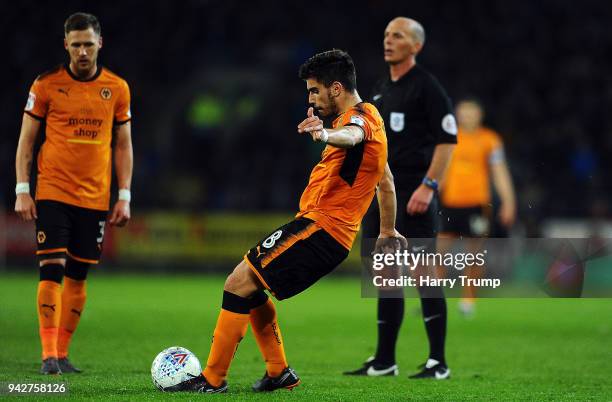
x: 174, y: 365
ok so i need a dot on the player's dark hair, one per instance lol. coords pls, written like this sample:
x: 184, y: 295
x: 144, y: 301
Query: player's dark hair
x: 81, y: 22
x: 472, y: 99
x: 330, y: 66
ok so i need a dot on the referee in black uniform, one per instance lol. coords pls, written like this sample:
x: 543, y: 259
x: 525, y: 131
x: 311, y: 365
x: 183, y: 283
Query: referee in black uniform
x: 421, y: 133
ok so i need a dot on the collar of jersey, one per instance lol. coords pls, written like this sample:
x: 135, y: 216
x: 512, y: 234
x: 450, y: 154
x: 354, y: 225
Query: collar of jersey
x: 74, y: 77
x: 403, y: 77
x: 336, y: 117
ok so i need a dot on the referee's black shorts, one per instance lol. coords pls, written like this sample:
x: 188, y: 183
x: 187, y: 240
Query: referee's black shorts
x: 294, y: 257
x: 420, y: 230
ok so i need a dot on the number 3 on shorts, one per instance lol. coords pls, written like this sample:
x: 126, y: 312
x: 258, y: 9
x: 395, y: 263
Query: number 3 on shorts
x: 270, y: 241
x: 99, y: 239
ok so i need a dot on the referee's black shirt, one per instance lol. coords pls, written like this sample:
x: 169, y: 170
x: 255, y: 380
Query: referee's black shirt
x: 418, y: 115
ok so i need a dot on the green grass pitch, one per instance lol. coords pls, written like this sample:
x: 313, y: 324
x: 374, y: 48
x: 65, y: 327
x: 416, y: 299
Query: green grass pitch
x: 539, y: 349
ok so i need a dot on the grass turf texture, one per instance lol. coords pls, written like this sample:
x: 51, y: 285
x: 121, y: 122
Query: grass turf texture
x: 540, y: 349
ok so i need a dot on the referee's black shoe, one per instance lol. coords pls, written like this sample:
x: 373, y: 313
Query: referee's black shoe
x: 287, y: 379
x: 432, y: 369
x: 372, y: 369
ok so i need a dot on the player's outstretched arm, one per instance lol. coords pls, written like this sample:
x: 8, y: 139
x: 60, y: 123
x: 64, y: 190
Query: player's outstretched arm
x: 387, y: 204
x: 124, y: 161
x: 344, y: 137
x: 24, y: 205
x: 341, y: 137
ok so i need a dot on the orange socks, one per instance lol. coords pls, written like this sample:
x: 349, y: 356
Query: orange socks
x: 49, y: 301
x: 231, y: 327
x: 73, y: 301
x: 232, y: 324
x: 59, y: 313
x: 269, y: 338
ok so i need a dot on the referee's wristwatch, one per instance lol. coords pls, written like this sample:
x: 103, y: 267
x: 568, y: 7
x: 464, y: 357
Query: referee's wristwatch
x: 431, y: 183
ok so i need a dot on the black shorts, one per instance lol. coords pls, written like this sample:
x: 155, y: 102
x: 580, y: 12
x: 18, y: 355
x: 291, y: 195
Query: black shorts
x: 466, y: 222
x: 420, y: 230
x: 64, y: 230
x: 294, y: 257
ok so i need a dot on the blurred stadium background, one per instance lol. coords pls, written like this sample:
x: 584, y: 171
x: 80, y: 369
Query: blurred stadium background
x: 215, y: 99
x: 218, y: 163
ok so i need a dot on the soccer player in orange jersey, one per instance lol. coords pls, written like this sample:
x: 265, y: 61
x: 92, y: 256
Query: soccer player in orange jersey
x: 84, y: 106
x: 478, y: 160
x: 298, y: 254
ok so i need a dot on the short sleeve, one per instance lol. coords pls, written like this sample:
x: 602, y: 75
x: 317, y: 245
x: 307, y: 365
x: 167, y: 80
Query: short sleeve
x: 37, y: 104
x: 440, y: 113
x: 122, y: 107
x: 496, y: 149
x: 355, y: 118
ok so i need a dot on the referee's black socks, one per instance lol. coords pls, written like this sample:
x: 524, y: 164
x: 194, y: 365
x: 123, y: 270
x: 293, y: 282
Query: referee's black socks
x: 434, y: 318
x: 390, y: 316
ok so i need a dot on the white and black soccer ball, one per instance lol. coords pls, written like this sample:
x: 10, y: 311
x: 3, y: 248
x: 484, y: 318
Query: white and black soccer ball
x: 174, y: 365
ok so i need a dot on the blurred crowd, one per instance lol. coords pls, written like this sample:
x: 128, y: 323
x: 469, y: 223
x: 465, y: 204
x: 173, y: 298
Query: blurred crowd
x: 216, y: 98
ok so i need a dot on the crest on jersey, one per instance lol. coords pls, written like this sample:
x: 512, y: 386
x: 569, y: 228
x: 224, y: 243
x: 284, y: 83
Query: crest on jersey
x: 449, y: 124
x: 31, y: 101
x: 41, y: 237
x: 106, y: 93
x: 396, y: 121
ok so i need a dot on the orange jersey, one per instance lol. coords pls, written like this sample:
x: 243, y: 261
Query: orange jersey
x: 74, y: 163
x: 342, y: 185
x: 467, y: 180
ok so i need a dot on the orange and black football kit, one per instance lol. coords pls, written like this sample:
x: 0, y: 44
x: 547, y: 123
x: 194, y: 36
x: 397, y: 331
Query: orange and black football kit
x: 74, y: 162
x: 339, y: 191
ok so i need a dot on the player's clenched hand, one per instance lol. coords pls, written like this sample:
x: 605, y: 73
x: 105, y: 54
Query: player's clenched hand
x: 311, y: 124
x: 420, y: 200
x: 121, y: 214
x: 390, y: 242
x: 25, y: 207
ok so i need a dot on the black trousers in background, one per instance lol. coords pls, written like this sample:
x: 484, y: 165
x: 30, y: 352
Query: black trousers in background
x: 390, y: 312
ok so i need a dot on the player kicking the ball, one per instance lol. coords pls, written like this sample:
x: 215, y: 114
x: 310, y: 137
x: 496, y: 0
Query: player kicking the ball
x: 298, y: 254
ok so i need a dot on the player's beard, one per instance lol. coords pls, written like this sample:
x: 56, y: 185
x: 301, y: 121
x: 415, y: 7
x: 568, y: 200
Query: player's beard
x: 331, y: 109
x: 333, y: 106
